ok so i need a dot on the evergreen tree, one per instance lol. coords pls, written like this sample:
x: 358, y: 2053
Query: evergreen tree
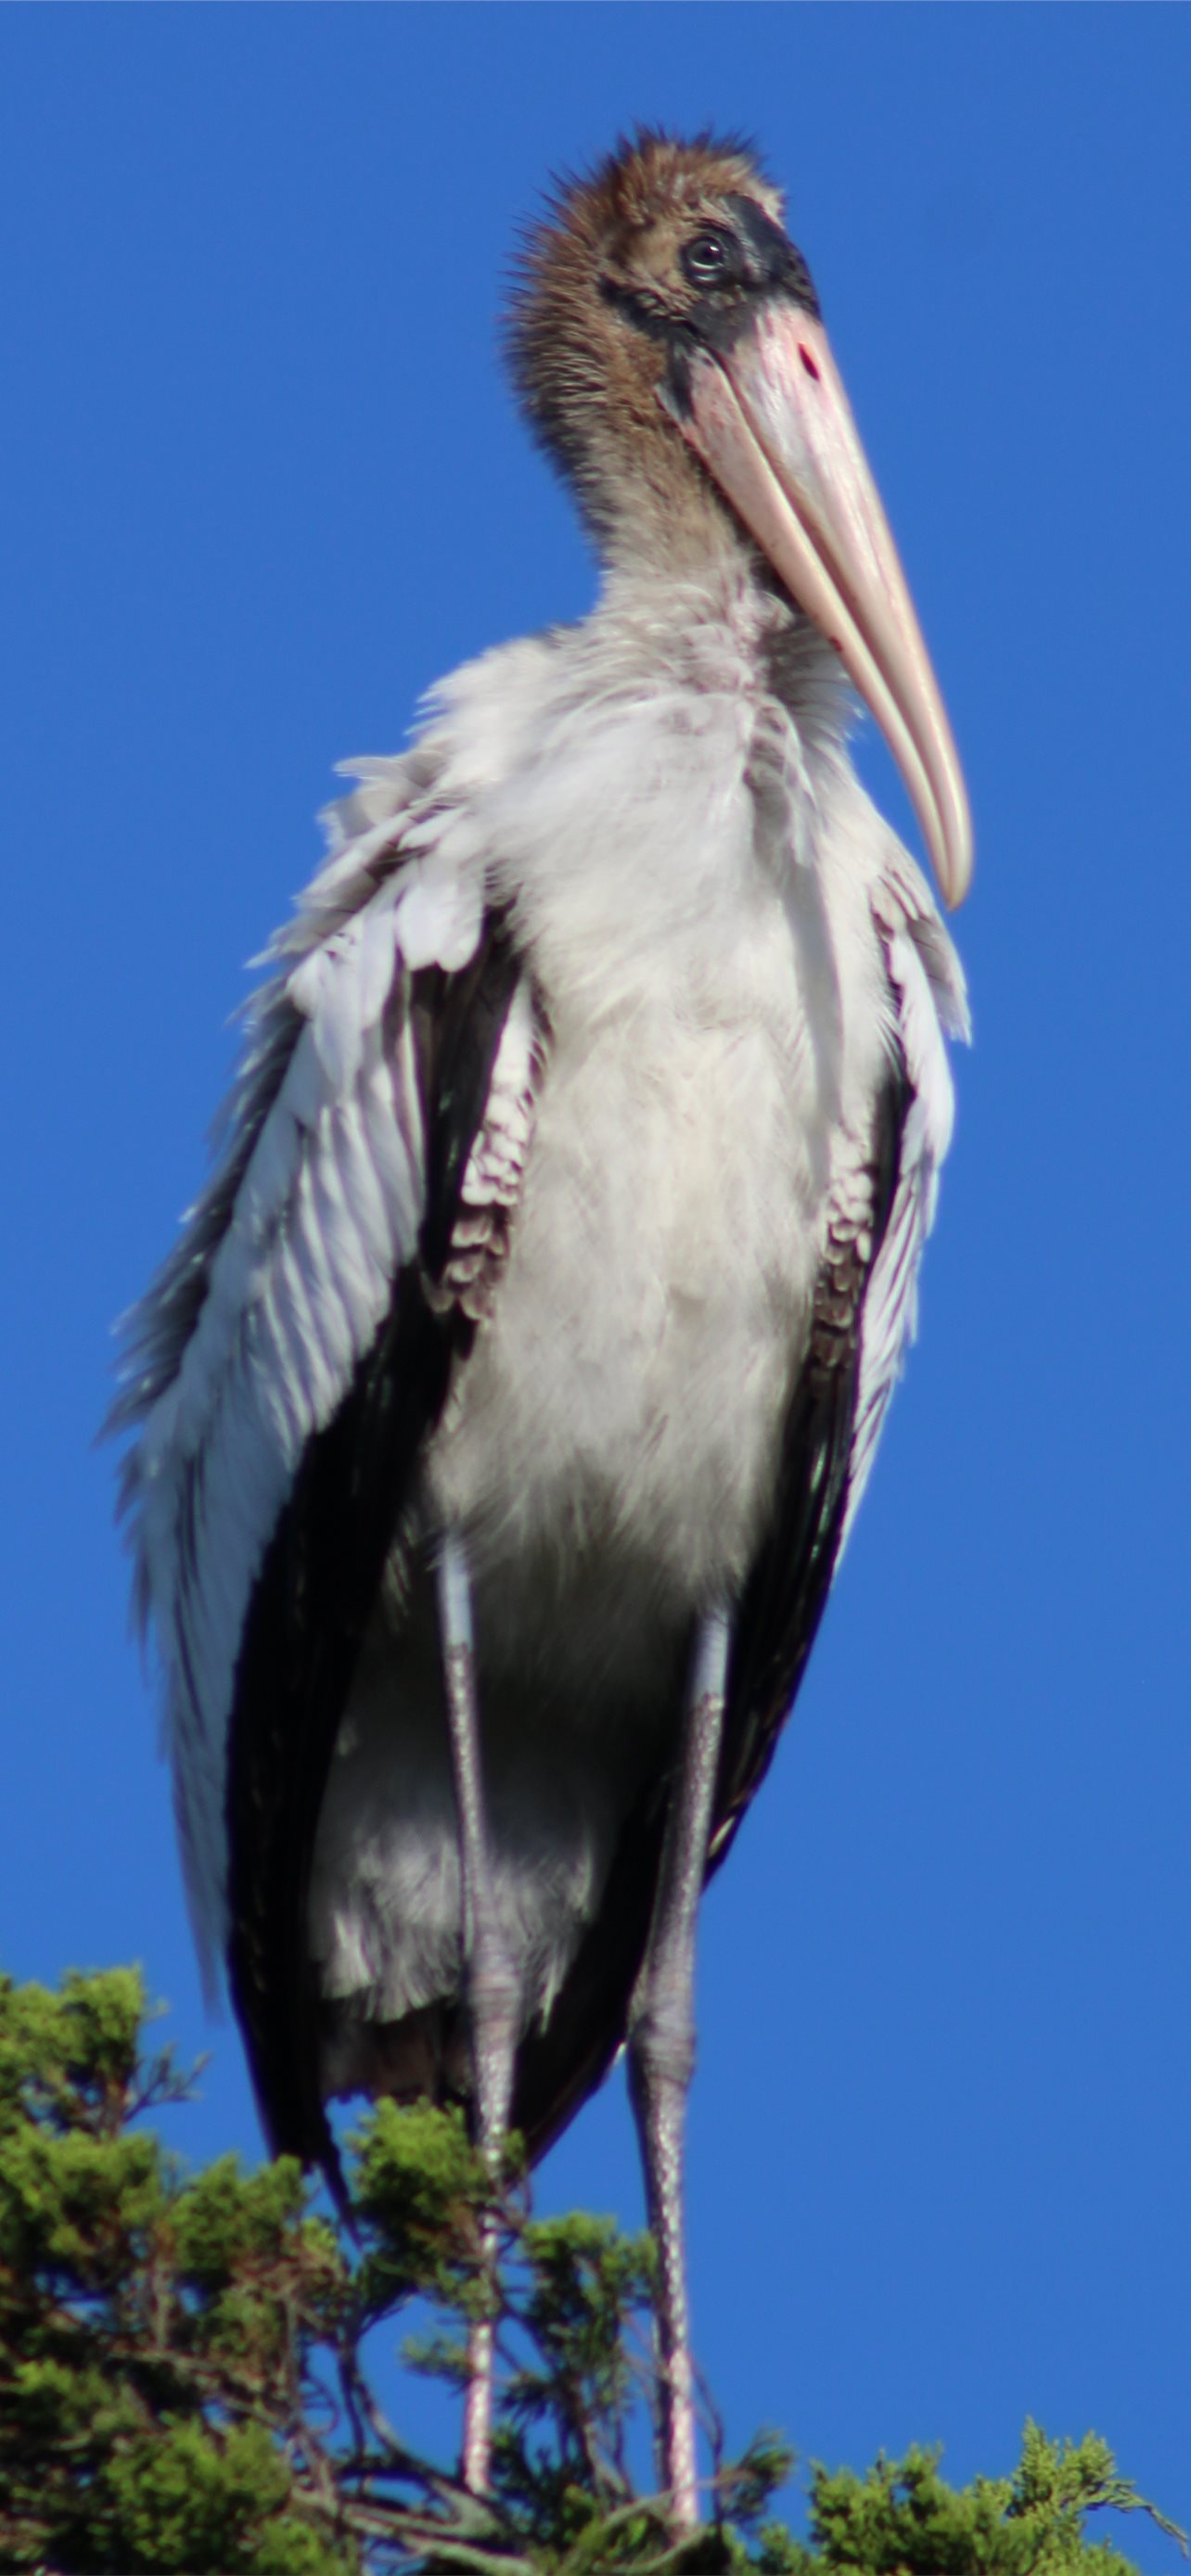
x: 182, y: 2384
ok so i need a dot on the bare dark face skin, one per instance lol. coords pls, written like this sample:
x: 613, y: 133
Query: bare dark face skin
x: 697, y: 284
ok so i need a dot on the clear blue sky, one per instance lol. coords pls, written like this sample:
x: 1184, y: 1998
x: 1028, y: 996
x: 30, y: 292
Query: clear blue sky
x: 261, y: 483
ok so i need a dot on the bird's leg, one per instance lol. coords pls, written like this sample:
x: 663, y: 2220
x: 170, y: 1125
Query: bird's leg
x: 493, y: 1986
x: 662, y: 2047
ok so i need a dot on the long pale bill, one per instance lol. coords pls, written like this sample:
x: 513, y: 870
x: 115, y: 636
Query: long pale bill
x: 772, y: 423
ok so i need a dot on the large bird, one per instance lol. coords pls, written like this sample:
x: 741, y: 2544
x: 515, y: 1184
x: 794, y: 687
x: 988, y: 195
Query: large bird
x: 502, y: 1411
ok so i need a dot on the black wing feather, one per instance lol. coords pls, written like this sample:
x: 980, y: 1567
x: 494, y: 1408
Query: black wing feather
x: 322, y: 1571
x: 787, y: 1590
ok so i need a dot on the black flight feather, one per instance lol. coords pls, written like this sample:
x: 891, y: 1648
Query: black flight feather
x: 322, y: 1571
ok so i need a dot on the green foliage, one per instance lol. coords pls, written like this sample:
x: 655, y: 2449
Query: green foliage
x: 421, y: 2192
x: 181, y: 2382
x: 903, y: 2520
x: 158, y: 2404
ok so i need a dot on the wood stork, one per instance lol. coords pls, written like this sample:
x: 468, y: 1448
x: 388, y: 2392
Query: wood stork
x: 502, y: 1411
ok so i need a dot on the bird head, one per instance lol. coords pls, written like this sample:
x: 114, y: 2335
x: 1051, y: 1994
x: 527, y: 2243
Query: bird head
x: 668, y: 349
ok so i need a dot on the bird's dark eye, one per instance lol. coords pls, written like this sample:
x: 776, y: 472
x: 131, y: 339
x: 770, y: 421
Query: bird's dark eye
x: 708, y: 260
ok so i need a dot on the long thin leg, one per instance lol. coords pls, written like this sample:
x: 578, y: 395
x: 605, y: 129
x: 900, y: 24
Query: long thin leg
x: 493, y: 1986
x: 662, y: 2047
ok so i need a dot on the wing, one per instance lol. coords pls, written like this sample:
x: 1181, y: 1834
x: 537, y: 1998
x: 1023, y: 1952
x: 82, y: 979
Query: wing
x: 285, y: 1368
x: 864, y: 1318
x: 930, y: 997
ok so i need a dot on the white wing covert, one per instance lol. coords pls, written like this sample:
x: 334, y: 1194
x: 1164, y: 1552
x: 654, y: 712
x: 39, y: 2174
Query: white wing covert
x: 248, y: 1341
x: 931, y: 1003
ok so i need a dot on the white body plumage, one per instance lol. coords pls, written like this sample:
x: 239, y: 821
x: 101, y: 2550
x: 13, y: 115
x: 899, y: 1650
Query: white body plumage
x: 722, y: 947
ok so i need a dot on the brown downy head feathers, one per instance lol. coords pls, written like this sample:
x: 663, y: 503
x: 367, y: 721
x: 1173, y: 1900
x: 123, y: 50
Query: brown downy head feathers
x: 608, y: 289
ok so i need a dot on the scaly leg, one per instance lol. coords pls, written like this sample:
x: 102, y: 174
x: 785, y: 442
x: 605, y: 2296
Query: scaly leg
x: 662, y: 2047
x: 493, y: 1985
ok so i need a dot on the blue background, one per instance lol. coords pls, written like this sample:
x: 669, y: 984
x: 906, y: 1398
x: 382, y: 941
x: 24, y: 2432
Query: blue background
x: 260, y: 483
